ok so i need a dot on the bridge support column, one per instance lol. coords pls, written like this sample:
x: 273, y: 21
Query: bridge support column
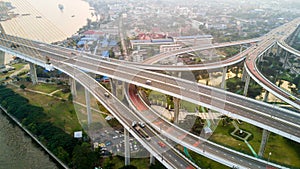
x: 88, y: 106
x: 223, y: 84
x: 152, y: 159
x: 244, y: 75
x: 264, y: 140
x: 113, y: 84
x: 265, y: 135
x: 266, y: 96
x: 2, y: 58
x: 73, y: 87
x: 127, y: 149
x: 246, y: 85
x: 279, y: 50
x: 33, y: 75
x: 287, y: 54
x: 176, y: 102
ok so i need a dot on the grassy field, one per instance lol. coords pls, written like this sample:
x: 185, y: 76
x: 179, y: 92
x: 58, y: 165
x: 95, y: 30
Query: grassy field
x: 62, y: 95
x: 204, y: 162
x: 43, y: 87
x: 61, y: 113
x: 276, y: 144
x: 17, y: 67
x: 140, y: 163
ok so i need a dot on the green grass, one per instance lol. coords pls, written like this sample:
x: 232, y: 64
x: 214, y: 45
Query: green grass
x: 62, y: 95
x: 140, y: 163
x: 44, y: 87
x: 19, y: 66
x: 190, y: 107
x: 204, y: 162
x: 62, y: 114
x: 276, y: 144
x: 154, y: 95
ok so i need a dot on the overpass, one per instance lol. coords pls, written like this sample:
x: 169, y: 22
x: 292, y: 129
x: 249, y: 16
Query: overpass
x: 125, y: 116
x: 274, y: 119
x: 39, y: 51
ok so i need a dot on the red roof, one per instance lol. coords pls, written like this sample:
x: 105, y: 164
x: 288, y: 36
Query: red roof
x: 92, y: 32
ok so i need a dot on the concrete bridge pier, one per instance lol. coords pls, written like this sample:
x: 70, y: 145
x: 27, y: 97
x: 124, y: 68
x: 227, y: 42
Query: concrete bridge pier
x: 73, y: 87
x: 117, y: 88
x: 244, y: 75
x: 113, y: 84
x: 246, y: 85
x: 286, y: 56
x: 223, y: 84
x: 265, y: 135
x: 33, y: 75
x: 266, y: 96
x: 2, y: 58
x: 279, y: 50
x: 127, y: 149
x: 263, y: 144
x: 88, y: 107
x: 176, y: 102
x: 152, y: 159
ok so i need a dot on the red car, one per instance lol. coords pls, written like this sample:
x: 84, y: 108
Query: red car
x: 161, y: 144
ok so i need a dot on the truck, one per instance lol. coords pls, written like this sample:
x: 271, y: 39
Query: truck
x: 140, y: 130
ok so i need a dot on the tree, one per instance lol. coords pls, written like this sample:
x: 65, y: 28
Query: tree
x: 128, y: 167
x: 22, y: 86
x: 84, y: 157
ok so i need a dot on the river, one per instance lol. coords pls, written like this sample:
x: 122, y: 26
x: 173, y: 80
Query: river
x: 17, y: 149
x: 43, y: 21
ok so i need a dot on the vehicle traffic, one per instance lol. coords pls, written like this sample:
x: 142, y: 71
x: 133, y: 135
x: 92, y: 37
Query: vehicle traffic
x: 140, y: 130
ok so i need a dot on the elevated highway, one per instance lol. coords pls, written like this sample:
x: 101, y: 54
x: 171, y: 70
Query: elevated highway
x: 124, y: 115
x: 274, y: 119
x: 195, y: 143
x: 170, y: 158
x: 275, y: 37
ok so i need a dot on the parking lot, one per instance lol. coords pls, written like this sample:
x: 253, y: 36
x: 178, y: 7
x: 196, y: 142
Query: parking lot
x: 112, y: 141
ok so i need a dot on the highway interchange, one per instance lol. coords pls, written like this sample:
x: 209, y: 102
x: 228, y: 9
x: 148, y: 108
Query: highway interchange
x: 283, y: 121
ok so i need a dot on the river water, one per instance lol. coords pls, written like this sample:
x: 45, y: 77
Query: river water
x: 42, y: 20
x: 16, y: 149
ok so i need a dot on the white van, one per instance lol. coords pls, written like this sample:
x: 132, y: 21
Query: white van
x: 148, y: 82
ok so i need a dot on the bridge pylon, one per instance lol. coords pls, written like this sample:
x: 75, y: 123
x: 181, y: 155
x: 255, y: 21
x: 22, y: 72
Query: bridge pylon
x: 127, y: 149
x: 33, y: 75
x: 223, y: 84
x: 88, y: 106
x: 2, y: 58
x: 72, y: 83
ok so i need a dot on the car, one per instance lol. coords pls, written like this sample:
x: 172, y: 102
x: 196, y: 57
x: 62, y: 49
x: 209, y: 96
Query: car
x: 106, y: 95
x: 133, y: 124
x: 161, y: 144
x: 148, y: 82
x: 108, y: 143
x: 142, y: 124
